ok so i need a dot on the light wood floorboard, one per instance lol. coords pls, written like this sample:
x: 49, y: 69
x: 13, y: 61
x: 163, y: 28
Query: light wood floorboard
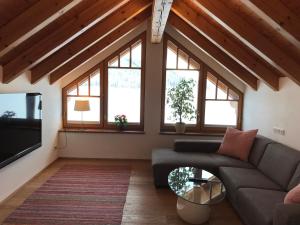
x: 145, y: 205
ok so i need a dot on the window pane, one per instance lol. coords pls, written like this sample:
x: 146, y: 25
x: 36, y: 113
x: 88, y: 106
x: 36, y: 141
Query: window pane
x: 183, y: 60
x: 84, y: 88
x: 222, y: 91
x: 211, y: 87
x: 173, y: 77
x: 194, y: 65
x: 92, y: 116
x: 171, y: 56
x: 221, y: 113
x: 124, y: 94
x: 95, y: 84
x: 232, y: 95
x: 136, y: 55
x: 72, y: 91
x: 125, y: 58
x: 114, y: 62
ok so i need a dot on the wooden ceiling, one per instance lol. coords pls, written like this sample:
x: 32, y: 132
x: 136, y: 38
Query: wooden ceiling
x: 254, y: 39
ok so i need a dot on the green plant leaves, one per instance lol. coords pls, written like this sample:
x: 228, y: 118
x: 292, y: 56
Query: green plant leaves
x: 181, y: 98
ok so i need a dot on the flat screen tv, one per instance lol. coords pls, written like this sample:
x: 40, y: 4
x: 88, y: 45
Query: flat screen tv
x: 20, y: 125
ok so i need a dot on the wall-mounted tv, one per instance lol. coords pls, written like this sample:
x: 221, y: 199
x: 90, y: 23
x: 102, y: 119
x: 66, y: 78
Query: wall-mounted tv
x: 20, y: 125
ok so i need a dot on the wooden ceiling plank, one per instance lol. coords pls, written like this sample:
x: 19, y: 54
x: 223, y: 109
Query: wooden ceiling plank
x: 12, y: 8
x: 279, y: 13
x: 266, y: 26
x: 32, y: 20
x: 62, y: 35
x: 250, y: 36
x: 52, y: 27
x: 160, y: 13
x: 99, y: 46
x: 231, y: 65
x: 88, y: 38
x: 227, y: 42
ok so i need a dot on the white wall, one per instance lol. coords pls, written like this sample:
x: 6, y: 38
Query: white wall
x: 138, y: 146
x: 19, y: 172
x: 265, y: 109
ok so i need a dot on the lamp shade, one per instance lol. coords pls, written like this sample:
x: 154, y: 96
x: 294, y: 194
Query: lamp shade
x: 82, y: 105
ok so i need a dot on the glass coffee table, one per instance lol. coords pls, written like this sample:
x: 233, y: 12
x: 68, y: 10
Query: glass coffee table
x: 197, y: 190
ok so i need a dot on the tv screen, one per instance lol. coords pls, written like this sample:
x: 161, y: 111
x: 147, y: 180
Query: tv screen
x: 20, y: 125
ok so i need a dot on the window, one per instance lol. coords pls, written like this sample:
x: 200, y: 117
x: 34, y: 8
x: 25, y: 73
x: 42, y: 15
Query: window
x: 125, y: 84
x: 221, y: 103
x: 114, y: 87
x: 217, y: 103
x: 179, y: 67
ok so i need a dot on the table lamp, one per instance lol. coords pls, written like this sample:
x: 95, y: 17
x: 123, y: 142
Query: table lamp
x: 82, y: 106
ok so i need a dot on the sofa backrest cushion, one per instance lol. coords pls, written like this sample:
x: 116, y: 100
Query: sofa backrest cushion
x: 295, y: 179
x: 203, y: 146
x: 258, y: 149
x: 279, y: 163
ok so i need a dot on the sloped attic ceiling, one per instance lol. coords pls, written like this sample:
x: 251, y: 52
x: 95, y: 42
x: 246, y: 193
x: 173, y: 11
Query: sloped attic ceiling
x: 251, y: 38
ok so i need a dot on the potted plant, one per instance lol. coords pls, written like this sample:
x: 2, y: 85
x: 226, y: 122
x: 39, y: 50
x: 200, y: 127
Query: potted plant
x: 121, y: 121
x: 181, y: 99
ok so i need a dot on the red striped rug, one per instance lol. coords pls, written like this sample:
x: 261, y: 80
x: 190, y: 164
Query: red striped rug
x: 77, y: 195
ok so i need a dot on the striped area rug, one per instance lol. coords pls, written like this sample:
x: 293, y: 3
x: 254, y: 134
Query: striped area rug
x: 77, y: 195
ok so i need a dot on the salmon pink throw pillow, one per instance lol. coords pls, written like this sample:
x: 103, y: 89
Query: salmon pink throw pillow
x: 237, y: 143
x: 293, y: 196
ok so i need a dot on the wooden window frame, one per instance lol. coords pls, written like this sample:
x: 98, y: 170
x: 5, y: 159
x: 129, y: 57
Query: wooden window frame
x: 200, y: 127
x: 75, y: 83
x: 103, y: 67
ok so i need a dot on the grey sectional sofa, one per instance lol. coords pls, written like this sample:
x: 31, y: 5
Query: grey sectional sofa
x: 256, y: 188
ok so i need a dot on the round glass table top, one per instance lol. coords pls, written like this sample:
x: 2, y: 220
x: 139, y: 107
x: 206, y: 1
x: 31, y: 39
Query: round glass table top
x: 196, y: 185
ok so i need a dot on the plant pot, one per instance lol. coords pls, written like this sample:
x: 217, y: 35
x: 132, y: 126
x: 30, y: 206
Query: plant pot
x: 180, y: 128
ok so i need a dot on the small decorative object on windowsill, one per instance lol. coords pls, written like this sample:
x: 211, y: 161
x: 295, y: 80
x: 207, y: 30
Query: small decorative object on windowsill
x: 121, y: 122
x: 181, y: 98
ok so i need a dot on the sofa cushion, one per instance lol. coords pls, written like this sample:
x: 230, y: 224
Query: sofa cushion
x: 165, y: 160
x: 293, y: 196
x: 258, y: 149
x: 235, y: 178
x: 204, y: 146
x: 279, y: 162
x: 256, y: 206
x: 237, y: 143
x: 202, y: 160
x: 295, y: 178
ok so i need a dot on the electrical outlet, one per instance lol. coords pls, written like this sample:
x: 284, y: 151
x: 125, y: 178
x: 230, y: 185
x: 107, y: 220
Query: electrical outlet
x: 278, y: 130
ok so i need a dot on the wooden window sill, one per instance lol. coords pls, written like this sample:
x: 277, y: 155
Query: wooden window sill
x: 191, y: 134
x: 73, y: 130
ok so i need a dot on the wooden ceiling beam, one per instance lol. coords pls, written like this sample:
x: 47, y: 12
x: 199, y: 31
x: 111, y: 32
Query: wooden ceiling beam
x: 32, y: 20
x: 99, y: 46
x: 52, y: 27
x: 279, y: 13
x: 207, y: 46
x: 250, y: 36
x: 62, y: 35
x: 88, y: 38
x: 226, y: 42
x: 160, y: 13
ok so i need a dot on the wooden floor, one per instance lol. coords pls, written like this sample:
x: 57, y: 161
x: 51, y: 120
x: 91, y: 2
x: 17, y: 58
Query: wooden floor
x: 145, y: 205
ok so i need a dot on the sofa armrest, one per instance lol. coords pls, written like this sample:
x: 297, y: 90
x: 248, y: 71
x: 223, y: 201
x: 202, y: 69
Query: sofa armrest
x: 286, y: 214
x: 204, y: 146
